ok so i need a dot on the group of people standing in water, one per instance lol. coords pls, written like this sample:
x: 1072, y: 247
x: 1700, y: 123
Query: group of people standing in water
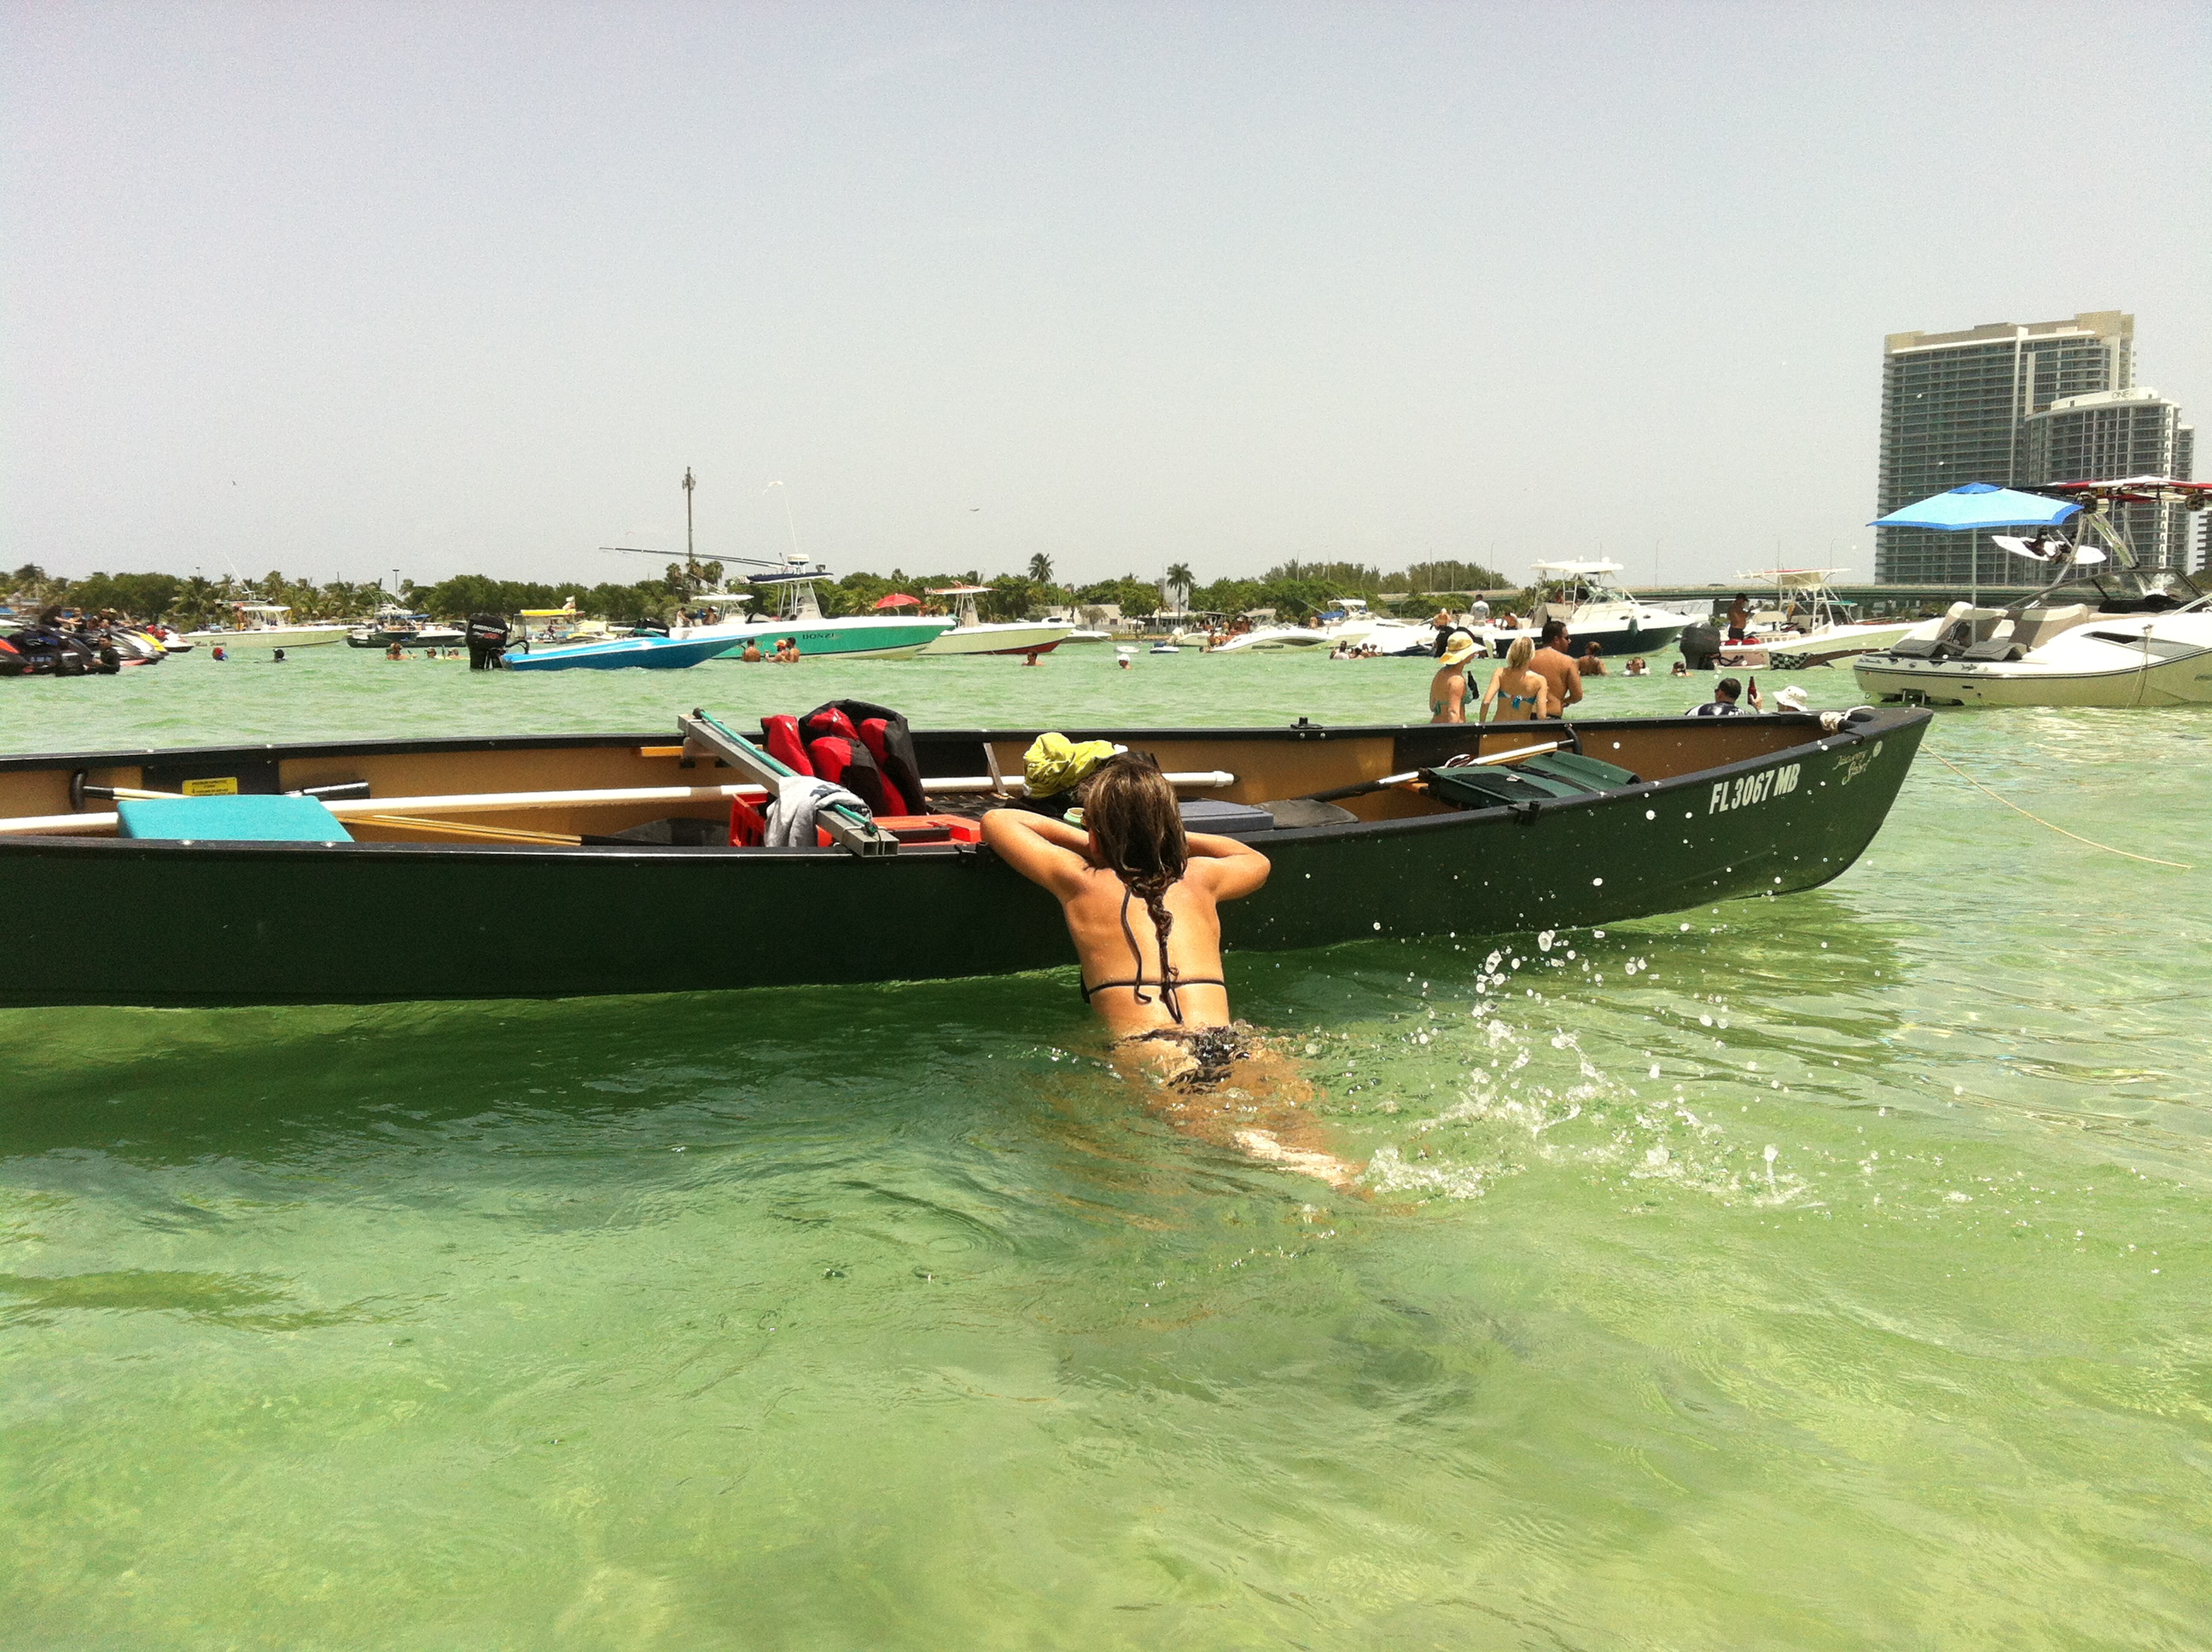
x: 1539, y: 678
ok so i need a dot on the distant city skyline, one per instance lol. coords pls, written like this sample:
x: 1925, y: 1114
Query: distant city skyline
x: 342, y: 289
x: 2018, y: 404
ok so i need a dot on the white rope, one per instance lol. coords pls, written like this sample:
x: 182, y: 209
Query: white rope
x: 2152, y: 859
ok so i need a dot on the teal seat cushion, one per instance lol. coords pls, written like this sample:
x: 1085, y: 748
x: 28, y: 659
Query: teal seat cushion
x: 230, y: 820
x: 1589, y: 772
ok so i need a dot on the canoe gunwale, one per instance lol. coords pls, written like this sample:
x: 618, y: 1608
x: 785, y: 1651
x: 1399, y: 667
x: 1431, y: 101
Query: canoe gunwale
x: 282, y: 751
x: 1884, y: 721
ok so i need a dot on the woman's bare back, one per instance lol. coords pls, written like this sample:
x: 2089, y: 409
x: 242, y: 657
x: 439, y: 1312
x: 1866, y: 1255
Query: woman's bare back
x: 1517, y: 697
x: 1118, y: 945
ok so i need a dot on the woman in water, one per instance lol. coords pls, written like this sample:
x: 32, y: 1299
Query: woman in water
x: 1522, y: 694
x: 1142, y: 901
x: 1448, y: 687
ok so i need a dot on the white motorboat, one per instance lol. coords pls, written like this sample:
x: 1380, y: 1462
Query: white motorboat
x: 268, y: 625
x: 1357, y: 632
x: 1077, y: 632
x: 1273, y: 639
x: 2131, y: 637
x: 563, y: 627
x: 2105, y: 632
x: 971, y: 635
x: 1595, y: 608
x: 1807, y: 625
x: 409, y: 629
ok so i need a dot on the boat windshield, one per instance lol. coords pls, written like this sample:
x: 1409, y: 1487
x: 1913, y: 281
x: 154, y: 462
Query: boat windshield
x: 2126, y: 590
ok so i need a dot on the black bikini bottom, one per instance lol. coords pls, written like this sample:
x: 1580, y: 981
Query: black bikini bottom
x: 1212, y: 1050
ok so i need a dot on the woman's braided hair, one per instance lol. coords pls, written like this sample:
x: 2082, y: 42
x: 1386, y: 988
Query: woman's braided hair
x: 1130, y: 813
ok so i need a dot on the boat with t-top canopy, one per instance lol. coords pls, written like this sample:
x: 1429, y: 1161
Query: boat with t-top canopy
x: 2107, y: 630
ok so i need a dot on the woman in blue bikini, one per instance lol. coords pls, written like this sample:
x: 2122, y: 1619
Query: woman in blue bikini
x: 1521, y: 695
x: 1448, y: 687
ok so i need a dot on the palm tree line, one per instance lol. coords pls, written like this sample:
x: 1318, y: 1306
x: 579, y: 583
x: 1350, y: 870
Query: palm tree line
x: 1291, y: 587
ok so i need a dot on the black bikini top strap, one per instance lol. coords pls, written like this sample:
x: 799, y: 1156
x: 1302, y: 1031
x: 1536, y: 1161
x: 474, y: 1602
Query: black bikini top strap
x: 1167, y: 993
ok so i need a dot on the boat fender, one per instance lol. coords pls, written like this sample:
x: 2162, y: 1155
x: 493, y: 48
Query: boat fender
x: 780, y: 735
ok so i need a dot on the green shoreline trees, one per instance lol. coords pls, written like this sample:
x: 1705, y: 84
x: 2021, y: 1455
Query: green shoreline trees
x: 1292, y: 589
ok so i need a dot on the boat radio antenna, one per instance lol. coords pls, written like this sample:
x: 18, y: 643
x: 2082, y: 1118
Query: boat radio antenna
x: 789, y: 521
x: 690, y: 551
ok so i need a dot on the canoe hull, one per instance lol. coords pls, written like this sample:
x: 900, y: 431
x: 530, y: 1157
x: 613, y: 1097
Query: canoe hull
x: 664, y: 920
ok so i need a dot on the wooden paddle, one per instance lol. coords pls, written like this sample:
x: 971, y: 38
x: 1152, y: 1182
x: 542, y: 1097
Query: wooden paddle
x: 1412, y: 775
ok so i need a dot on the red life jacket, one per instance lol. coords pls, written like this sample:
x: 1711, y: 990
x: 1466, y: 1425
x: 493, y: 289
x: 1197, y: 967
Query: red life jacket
x: 851, y: 765
x: 780, y: 736
x: 895, y: 755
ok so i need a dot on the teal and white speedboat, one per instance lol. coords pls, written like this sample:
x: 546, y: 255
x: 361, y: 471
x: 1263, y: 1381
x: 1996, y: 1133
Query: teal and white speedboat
x: 647, y: 648
x: 798, y: 616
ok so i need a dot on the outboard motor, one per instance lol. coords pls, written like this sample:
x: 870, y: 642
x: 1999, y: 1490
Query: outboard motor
x: 488, y: 638
x: 1701, y: 646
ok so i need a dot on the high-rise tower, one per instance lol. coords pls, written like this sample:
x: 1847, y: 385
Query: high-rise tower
x: 1953, y: 408
x: 2116, y: 433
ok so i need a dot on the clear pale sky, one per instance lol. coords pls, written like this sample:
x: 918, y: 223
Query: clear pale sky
x: 446, y: 287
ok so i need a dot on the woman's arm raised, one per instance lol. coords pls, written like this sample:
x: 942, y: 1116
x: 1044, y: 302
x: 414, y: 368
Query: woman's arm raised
x: 1045, y: 851
x: 1232, y: 868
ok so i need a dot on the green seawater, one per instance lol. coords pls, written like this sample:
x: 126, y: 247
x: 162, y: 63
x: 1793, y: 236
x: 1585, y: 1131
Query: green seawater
x: 1822, y: 1271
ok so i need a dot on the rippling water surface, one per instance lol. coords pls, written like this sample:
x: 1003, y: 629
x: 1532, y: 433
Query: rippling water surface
x: 1821, y: 1271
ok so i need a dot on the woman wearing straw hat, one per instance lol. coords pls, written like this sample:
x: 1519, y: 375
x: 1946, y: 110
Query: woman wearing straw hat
x: 1520, y: 691
x: 1448, y: 687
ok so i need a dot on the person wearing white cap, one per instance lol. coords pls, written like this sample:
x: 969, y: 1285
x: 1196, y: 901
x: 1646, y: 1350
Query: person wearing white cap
x: 1448, y: 687
x: 1791, y: 699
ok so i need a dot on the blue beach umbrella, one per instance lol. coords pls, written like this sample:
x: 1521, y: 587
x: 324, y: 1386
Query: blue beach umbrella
x: 1980, y: 505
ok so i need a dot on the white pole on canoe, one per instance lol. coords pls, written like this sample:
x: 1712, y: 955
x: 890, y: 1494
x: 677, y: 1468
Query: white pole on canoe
x: 472, y: 802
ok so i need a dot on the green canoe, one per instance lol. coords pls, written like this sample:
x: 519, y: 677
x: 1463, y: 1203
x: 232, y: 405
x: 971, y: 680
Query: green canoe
x: 1716, y: 808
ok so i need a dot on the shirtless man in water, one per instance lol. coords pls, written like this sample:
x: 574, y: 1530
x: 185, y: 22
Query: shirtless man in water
x: 1141, y: 898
